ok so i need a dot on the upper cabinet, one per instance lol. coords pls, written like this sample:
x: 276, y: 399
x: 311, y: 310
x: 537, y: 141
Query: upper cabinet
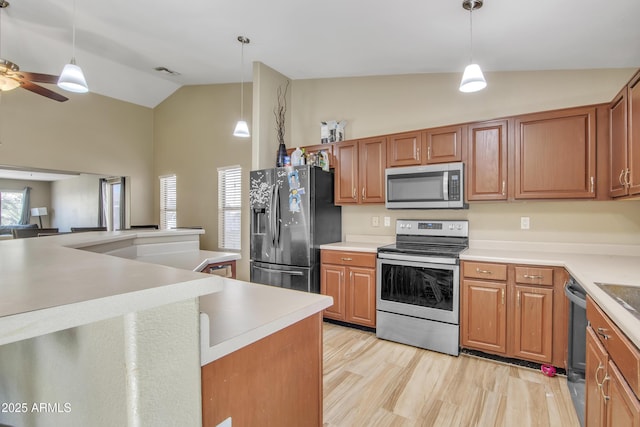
x: 443, y: 144
x: 404, y: 149
x: 555, y: 154
x: 359, y: 171
x: 624, y: 117
x: 486, y: 172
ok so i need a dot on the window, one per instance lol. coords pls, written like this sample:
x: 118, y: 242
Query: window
x: 168, y: 215
x: 229, y: 204
x: 10, y: 207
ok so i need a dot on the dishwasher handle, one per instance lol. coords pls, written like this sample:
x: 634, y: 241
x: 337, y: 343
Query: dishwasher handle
x: 575, y: 293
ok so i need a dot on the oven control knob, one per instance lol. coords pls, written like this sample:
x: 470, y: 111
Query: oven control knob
x: 450, y: 226
x: 458, y: 227
x: 401, y: 225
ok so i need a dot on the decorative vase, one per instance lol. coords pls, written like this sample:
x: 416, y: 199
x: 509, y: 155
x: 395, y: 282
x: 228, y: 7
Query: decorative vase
x: 282, y: 153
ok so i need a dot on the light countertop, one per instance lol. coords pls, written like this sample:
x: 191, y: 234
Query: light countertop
x: 189, y: 260
x: 588, y: 264
x: 243, y: 313
x: 47, y: 284
x: 360, y: 243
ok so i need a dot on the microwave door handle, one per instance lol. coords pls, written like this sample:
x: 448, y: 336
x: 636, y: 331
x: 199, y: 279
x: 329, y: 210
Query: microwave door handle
x: 445, y: 185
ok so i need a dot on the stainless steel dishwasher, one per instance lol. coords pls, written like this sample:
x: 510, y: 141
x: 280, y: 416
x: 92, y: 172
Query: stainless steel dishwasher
x: 577, y: 345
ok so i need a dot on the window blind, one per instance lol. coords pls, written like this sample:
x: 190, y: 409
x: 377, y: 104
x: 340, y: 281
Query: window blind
x: 168, y: 203
x: 229, y: 207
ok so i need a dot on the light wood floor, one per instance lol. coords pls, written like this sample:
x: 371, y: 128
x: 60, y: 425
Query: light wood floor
x: 372, y: 382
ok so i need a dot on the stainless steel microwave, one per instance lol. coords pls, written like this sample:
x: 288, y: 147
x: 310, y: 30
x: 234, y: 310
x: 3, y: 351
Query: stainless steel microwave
x: 439, y: 186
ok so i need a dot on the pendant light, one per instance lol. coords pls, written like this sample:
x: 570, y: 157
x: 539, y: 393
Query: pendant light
x: 72, y: 78
x: 242, y: 129
x: 472, y: 79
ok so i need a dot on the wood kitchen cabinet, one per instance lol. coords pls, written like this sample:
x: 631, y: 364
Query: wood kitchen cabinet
x: 555, y: 154
x: 510, y: 310
x: 624, y: 135
x: 350, y: 278
x: 404, y: 149
x: 486, y: 168
x: 612, y: 381
x: 359, y: 171
x: 443, y: 144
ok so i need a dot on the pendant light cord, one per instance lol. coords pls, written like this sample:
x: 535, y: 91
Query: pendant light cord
x: 73, y: 33
x: 242, y: 81
x: 473, y: 3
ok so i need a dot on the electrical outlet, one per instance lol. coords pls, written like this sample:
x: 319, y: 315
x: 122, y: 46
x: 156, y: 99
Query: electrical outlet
x: 387, y: 221
x: 375, y: 221
x: 524, y: 223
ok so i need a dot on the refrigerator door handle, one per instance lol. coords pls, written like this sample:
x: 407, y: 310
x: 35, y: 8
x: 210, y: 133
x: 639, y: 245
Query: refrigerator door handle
x: 272, y: 215
x: 278, y: 217
x: 271, y: 270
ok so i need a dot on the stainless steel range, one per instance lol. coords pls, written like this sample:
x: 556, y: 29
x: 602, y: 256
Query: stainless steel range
x: 418, y: 284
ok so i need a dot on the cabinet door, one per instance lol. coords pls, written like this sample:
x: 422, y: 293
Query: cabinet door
x: 555, y: 154
x: 404, y: 149
x: 443, y: 145
x: 618, y: 141
x: 373, y: 161
x: 483, y: 316
x: 332, y: 283
x: 346, y: 172
x: 361, y: 296
x: 533, y: 318
x: 633, y: 135
x: 595, y: 373
x: 623, y: 408
x: 487, y: 161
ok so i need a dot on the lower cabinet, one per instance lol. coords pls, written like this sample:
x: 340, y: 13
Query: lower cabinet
x: 511, y: 311
x: 350, y: 278
x: 612, y: 369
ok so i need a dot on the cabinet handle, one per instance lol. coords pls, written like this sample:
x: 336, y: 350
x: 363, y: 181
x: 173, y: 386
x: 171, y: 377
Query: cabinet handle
x: 504, y: 187
x: 533, y: 277
x: 601, y: 332
x: 518, y: 303
x: 351, y: 276
x: 429, y: 152
x: 600, y: 367
x: 347, y: 259
x: 418, y: 153
x: 626, y: 178
x: 354, y: 193
x: 364, y: 193
x: 604, y: 396
x: 503, y: 297
x: 620, y: 177
x: 592, y: 185
x: 483, y: 271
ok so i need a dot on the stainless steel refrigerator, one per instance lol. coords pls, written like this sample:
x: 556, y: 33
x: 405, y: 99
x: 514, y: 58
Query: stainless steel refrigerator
x: 292, y: 214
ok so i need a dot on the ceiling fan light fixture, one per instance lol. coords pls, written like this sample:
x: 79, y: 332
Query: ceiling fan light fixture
x: 7, y: 84
x: 72, y: 78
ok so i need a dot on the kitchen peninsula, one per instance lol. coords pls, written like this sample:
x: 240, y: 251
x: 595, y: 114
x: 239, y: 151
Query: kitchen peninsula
x: 105, y: 340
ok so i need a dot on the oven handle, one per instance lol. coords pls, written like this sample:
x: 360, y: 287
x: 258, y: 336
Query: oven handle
x: 413, y: 258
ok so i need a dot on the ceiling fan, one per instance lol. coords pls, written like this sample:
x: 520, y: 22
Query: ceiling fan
x: 11, y: 77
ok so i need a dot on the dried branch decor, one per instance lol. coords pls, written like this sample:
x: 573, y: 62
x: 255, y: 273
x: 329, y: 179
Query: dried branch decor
x: 280, y: 111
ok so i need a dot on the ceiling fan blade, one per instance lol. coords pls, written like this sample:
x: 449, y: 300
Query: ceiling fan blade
x: 38, y: 77
x: 42, y: 91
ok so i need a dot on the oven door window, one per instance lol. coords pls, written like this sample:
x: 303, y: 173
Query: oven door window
x: 419, y: 289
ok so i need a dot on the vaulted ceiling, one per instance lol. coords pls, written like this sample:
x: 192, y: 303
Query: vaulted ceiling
x: 120, y: 42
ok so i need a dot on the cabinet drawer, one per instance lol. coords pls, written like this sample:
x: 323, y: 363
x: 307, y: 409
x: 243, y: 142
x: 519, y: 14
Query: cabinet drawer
x: 484, y: 270
x: 624, y: 354
x: 534, y: 275
x: 359, y: 259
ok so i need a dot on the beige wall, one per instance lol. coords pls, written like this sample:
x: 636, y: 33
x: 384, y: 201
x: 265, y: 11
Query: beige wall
x: 381, y: 105
x: 88, y: 133
x: 266, y: 82
x: 193, y: 137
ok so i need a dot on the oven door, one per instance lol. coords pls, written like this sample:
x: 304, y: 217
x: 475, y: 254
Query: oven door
x: 419, y: 289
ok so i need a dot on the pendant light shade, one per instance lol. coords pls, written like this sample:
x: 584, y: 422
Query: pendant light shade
x: 72, y: 78
x: 472, y: 78
x: 242, y: 129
